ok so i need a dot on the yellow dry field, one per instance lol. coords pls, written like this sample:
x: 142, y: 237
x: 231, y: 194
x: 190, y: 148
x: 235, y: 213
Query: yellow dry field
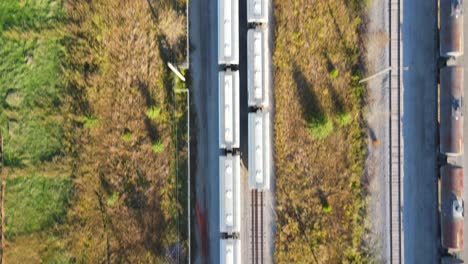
x: 125, y: 206
x: 319, y: 137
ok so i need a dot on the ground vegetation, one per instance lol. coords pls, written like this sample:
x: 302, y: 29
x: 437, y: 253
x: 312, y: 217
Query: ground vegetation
x: 319, y: 135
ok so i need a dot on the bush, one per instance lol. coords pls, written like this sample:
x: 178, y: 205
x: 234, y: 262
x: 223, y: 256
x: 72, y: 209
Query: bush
x: 320, y: 126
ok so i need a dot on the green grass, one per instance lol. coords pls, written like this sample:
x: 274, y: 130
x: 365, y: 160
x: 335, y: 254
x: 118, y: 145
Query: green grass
x: 112, y: 198
x: 30, y: 14
x: 35, y: 203
x: 35, y: 139
x: 89, y: 121
x: 30, y: 80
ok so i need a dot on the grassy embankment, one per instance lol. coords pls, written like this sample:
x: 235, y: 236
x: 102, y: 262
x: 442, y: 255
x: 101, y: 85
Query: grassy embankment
x: 124, y: 144
x: 88, y: 117
x: 319, y: 135
x: 31, y: 120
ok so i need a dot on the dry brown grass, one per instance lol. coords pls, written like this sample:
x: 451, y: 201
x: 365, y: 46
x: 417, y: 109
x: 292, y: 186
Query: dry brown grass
x: 124, y: 209
x: 319, y: 194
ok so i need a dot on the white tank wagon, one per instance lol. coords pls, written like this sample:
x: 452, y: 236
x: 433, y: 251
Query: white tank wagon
x: 230, y: 251
x: 229, y: 124
x: 258, y: 68
x: 229, y: 193
x: 228, y: 32
x: 259, y: 150
x: 257, y: 11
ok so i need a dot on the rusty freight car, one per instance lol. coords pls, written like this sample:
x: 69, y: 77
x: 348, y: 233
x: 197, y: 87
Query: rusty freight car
x: 451, y: 114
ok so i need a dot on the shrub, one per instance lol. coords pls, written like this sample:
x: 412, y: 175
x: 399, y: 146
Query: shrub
x: 334, y: 73
x: 344, y: 118
x: 320, y: 126
x: 157, y: 147
x: 153, y: 113
x: 89, y: 121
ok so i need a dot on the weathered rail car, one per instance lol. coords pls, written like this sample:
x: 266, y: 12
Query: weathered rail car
x: 452, y: 207
x: 451, y: 28
x: 451, y: 111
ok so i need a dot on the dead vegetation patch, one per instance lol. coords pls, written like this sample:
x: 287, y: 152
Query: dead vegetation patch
x: 125, y: 207
x: 319, y: 137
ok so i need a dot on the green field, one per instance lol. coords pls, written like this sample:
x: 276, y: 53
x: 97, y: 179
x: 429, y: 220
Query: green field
x: 38, y: 193
x: 88, y: 118
x: 35, y: 208
x: 35, y: 203
x: 30, y: 86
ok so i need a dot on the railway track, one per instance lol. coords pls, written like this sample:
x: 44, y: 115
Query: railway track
x: 395, y: 139
x: 257, y: 235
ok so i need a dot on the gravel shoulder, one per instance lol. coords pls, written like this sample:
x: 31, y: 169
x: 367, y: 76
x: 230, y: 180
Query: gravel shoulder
x: 377, y: 116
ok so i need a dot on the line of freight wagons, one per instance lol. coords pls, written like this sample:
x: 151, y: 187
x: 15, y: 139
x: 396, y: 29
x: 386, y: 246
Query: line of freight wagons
x: 451, y: 136
x: 258, y: 79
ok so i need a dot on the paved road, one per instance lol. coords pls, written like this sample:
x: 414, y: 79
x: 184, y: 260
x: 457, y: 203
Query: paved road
x: 420, y: 213
x: 204, y: 88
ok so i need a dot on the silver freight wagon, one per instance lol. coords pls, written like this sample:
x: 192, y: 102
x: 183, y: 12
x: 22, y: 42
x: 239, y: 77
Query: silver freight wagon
x: 229, y: 193
x: 257, y: 11
x: 259, y: 150
x: 230, y: 251
x: 258, y: 68
x: 228, y: 32
x: 229, y: 130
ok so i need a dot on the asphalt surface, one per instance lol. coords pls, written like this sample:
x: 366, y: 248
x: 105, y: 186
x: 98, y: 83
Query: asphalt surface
x: 204, y: 89
x: 420, y: 212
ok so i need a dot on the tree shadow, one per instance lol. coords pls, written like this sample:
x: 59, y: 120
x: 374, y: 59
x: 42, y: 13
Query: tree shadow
x: 151, y: 129
x: 337, y: 26
x: 372, y: 134
x: 311, y: 107
x: 145, y: 93
x: 337, y: 100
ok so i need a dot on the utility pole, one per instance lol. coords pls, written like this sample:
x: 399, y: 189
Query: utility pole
x: 376, y: 74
